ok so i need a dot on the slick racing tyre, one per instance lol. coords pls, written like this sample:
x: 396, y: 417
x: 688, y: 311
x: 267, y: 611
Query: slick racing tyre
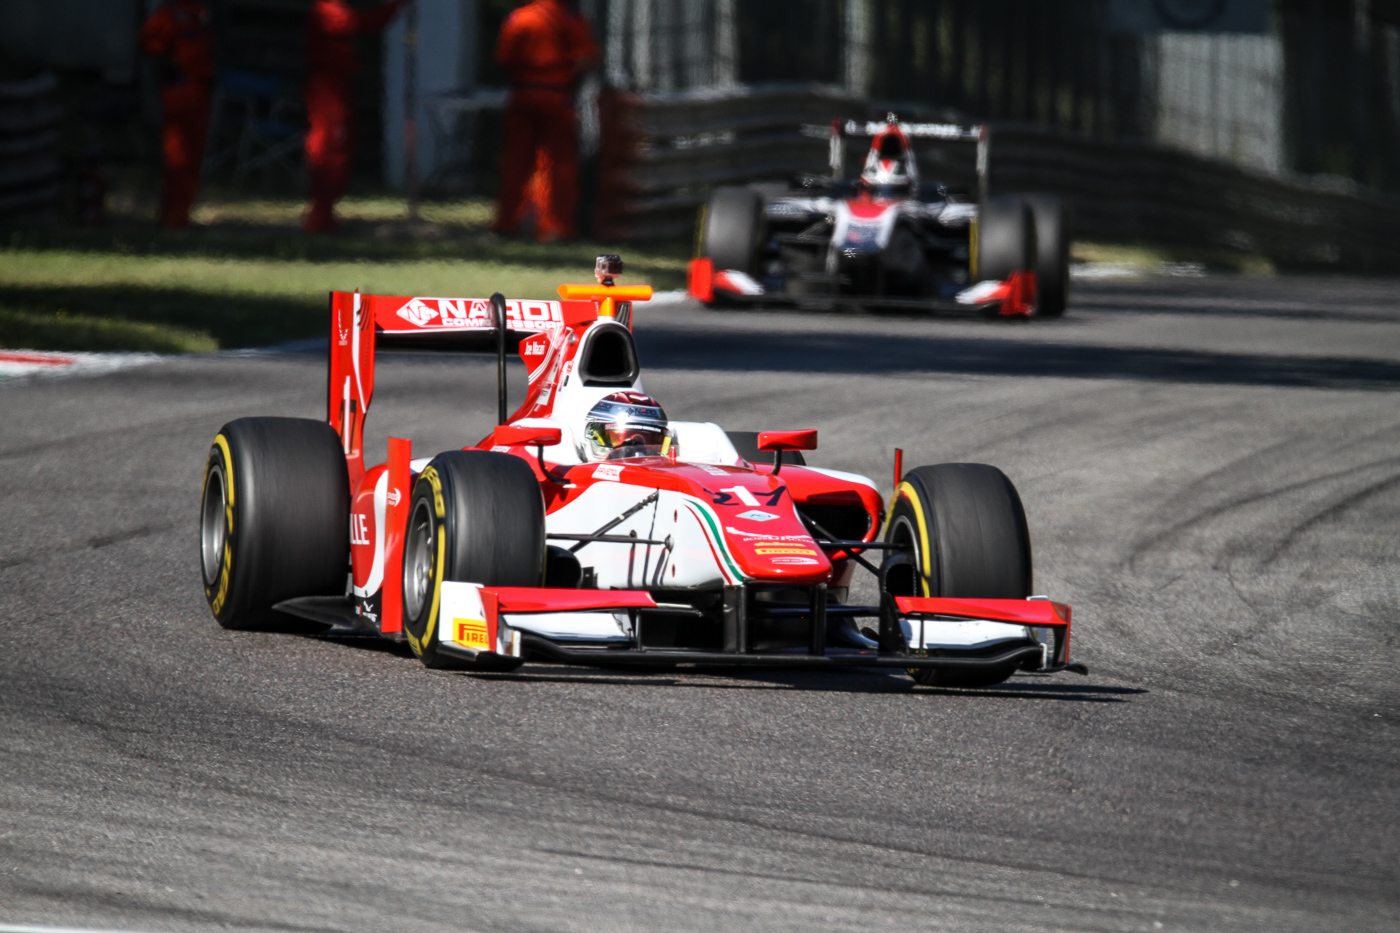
x: 475, y: 517
x: 1052, y: 236
x: 730, y: 228
x: 1005, y: 238
x: 964, y: 534
x: 274, y: 521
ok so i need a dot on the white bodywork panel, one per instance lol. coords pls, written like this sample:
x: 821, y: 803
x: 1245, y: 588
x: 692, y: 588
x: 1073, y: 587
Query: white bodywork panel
x: 462, y: 623
x: 960, y: 633
x: 690, y: 561
x: 704, y: 442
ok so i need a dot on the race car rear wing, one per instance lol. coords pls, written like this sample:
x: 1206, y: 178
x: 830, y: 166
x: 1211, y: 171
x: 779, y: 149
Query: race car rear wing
x: 362, y: 323
x: 948, y: 132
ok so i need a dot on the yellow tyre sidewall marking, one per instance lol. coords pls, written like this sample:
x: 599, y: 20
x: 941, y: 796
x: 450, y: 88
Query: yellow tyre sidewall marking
x: 440, y: 507
x: 907, y: 491
x: 431, y: 475
x: 220, y: 596
x: 972, y: 249
x: 700, y: 222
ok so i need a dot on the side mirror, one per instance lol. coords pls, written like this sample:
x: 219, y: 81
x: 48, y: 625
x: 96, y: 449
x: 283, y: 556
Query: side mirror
x: 522, y: 435
x: 780, y: 441
x: 787, y: 440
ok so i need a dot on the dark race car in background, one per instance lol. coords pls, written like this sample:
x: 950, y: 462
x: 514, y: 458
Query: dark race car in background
x: 886, y: 238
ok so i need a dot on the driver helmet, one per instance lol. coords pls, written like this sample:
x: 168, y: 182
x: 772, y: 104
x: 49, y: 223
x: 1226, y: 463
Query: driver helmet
x: 626, y: 424
x: 886, y: 163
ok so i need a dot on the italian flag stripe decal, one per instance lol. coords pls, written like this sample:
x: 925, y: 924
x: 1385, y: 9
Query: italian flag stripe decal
x: 710, y: 523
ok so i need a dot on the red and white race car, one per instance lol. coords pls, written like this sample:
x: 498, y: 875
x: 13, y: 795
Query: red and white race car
x: 885, y: 238
x: 588, y: 528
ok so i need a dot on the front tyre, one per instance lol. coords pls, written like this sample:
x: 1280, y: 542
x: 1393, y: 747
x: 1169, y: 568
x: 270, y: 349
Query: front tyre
x: 1005, y: 238
x: 1052, y: 239
x: 730, y: 228
x: 274, y: 520
x: 964, y: 531
x: 475, y: 517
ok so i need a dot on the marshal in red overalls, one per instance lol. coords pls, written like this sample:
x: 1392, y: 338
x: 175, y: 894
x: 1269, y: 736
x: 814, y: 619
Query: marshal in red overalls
x: 178, y: 32
x: 330, y: 105
x: 545, y: 47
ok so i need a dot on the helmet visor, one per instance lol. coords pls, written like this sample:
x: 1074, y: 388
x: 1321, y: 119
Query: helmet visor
x: 618, y: 441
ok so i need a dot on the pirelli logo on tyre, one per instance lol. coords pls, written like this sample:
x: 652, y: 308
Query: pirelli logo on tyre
x: 471, y: 633
x: 431, y: 475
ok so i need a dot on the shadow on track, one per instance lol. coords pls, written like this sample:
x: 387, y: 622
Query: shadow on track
x: 853, y: 681
x: 891, y: 354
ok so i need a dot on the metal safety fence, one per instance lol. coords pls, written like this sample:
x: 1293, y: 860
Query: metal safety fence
x: 682, y: 145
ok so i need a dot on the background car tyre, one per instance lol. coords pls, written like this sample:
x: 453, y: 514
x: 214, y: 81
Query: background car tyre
x: 1052, y: 237
x: 967, y: 536
x: 729, y: 235
x: 1005, y: 238
x: 475, y: 517
x: 274, y: 520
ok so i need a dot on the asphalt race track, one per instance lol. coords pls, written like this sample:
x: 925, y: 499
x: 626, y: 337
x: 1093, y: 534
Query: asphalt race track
x: 1211, y: 469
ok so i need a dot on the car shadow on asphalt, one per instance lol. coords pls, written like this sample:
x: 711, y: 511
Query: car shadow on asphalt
x: 705, y: 677
x: 853, y: 681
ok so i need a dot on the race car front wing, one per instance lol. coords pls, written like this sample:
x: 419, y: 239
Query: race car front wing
x: 488, y: 625
x: 1010, y: 297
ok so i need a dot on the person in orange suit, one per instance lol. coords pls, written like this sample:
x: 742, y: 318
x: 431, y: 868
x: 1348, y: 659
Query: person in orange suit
x: 545, y: 47
x: 330, y: 84
x: 179, y: 34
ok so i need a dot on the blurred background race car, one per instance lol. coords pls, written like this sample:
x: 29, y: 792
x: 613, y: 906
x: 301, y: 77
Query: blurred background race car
x: 886, y: 237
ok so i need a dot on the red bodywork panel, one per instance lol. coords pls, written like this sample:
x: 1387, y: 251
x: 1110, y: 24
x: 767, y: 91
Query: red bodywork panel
x: 1020, y: 611
x: 787, y: 440
x: 542, y: 599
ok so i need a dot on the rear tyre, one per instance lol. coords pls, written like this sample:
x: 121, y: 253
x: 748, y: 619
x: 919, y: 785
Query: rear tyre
x: 1005, y: 238
x: 274, y: 520
x: 729, y: 235
x: 966, y: 533
x: 1052, y: 238
x: 475, y: 517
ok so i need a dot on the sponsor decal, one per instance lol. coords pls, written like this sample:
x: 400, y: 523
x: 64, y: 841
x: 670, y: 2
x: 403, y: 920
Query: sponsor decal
x: 802, y: 539
x: 754, y: 515
x: 500, y: 449
x: 476, y: 312
x: 712, y: 470
x: 795, y: 561
x: 784, y: 549
x: 470, y: 633
x: 359, y: 528
x: 394, y: 496
x: 417, y: 312
x: 533, y: 348
x: 612, y: 471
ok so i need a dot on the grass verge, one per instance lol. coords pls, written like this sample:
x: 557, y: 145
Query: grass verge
x: 1148, y: 257
x: 246, y: 275
x: 64, y: 331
